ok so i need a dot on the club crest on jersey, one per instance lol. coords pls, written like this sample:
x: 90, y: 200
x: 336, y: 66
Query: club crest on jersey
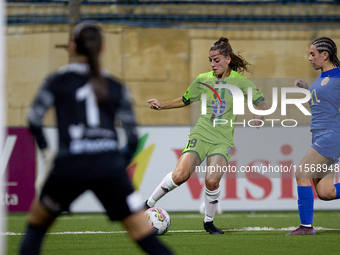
x: 217, y: 108
x: 324, y: 81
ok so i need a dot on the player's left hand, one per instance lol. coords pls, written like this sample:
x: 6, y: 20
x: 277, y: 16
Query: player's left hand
x: 154, y: 104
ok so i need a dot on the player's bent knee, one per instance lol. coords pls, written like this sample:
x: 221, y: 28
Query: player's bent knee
x: 212, y: 184
x: 325, y: 194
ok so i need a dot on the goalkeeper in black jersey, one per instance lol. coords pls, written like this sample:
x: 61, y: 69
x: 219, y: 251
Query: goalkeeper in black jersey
x: 87, y: 102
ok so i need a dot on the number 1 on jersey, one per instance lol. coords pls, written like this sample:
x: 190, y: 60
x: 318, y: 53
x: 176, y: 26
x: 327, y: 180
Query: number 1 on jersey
x: 91, y: 107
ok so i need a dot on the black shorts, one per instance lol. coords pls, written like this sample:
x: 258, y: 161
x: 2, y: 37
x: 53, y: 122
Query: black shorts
x: 104, y: 174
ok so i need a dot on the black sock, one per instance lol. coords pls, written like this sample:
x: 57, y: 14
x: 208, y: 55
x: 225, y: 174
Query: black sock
x: 31, y: 242
x: 151, y: 245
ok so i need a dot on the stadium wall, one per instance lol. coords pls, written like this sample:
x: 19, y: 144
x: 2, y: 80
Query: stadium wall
x: 157, y: 63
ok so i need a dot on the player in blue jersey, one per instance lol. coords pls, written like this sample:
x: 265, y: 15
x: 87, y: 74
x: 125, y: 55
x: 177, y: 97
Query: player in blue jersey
x: 319, y: 161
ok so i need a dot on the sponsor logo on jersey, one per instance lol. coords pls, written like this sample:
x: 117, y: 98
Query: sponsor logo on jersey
x: 80, y: 146
x: 216, y: 95
x: 76, y: 131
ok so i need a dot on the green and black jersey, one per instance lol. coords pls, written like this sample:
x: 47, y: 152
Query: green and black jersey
x: 205, y: 128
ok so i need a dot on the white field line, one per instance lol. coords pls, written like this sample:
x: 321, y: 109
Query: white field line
x: 172, y: 231
x: 103, y: 217
x: 188, y: 216
x: 271, y: 216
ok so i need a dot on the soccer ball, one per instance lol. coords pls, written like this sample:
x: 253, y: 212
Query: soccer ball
x: 159, y: 219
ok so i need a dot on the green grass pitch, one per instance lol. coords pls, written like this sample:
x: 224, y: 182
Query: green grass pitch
x: 246, y: 233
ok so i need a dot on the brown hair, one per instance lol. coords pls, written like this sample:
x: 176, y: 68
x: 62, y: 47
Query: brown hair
x: 237, y: 63
x: 88, y: 39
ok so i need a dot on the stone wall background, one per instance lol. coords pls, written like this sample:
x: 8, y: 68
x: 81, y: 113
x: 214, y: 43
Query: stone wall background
x: 158, y: 63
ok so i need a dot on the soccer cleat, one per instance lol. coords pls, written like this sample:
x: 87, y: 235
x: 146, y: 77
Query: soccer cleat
x: 210, y: 227
x: 146, y: 205
x: 302, y: 230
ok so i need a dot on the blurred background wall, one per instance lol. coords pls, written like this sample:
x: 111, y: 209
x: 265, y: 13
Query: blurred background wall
x: 158, y: 47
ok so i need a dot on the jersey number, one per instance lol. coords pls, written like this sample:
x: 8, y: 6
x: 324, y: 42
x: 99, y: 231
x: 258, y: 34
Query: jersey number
x: 191, y: 143
x: 316, y: 97
x: 91, y: 107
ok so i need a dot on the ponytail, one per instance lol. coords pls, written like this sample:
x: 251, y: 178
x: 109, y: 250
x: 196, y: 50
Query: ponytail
x: 238, y: 63
x: 88, y: 39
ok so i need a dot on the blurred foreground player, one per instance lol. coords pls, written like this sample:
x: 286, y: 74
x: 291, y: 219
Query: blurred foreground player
x: 87, y: 102
x: 319, y: 163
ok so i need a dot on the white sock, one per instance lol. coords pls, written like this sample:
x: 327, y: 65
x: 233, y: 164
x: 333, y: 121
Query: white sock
x: 166, y: 185
x: 211, y: 201
x: 307, y: 225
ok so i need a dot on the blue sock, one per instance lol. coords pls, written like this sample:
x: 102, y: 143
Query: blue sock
x: 305, y: 204
x: 337, y: 187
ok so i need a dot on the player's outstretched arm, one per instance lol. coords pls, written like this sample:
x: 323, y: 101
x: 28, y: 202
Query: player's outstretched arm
x: 156, y: 105
x: 260, y: 106
x: 301, y: 84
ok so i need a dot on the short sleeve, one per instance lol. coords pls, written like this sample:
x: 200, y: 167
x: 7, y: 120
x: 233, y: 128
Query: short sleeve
x: 194, y: 91
x: 257, y: 94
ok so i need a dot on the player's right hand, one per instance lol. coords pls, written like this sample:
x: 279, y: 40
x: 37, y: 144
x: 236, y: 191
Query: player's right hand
x: 154, y: 104
x: 301, y: 84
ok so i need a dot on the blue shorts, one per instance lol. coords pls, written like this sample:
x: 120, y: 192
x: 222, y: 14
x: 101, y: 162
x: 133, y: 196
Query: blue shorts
x: 327, y: 143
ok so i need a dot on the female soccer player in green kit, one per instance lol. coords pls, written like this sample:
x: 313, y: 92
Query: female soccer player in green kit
x: 208, y: 139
